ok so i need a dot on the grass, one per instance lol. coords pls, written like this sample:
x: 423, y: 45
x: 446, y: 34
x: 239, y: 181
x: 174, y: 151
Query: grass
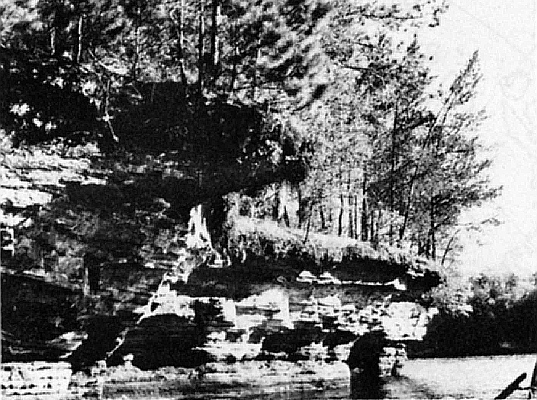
x: 282, y: 241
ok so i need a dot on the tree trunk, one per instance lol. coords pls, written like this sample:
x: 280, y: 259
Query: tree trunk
x: 323, y: 219
x: 254, y: 80
x: 134, y: 68
x: 356, y: 227
x: 201, y: 37
x: 420, y: 247
x: 392, y: 175
x: 105, y: 105
x: 301, y: 211
x: 371, y: 226
x: 433, y: 229
x: 340, y: 219
x: 286, y: 217
x: 351, y: 219
x: 79, y: 39
x: 448, y: 248
x: 276, y: 205
x: 308, y: 226
x: 408, y: 208
x: 365, y: 210
x: 376, y: 240
x: 53, y: 41
x: 214, y: 39
x: 349, y: 199
x: 365, y: 225
x: 329, y: 219
x: 179, y: 24
x: 235, y: 59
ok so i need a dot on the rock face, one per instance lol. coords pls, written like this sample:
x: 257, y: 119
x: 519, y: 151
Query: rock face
x: 36, y: 379
x: 257, y: 344
x: 39, y: 319
x: 157, y: 317
x: 179, y: 303
x: 59, y: 285
x: 284, y: 334
x: 372, y: 360
x: 31, y: 176
x: 279, y: 323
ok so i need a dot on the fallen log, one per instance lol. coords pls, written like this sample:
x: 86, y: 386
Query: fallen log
x: 511, y: 387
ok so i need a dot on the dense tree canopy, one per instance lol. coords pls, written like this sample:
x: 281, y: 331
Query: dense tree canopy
x: 334, y: 96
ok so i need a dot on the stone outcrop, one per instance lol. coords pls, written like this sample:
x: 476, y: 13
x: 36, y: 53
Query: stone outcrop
x: 35, y: 379
x: 31, y: 177
x: 180, y: 303
x: 278, y: 323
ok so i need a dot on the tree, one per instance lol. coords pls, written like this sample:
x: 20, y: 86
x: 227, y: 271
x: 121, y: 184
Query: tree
x: 250, y: 53
x: 424, y: 165
x: 416, y: 163
x: 377, y: 77
x: 449, y: 175
x: 174, y: 78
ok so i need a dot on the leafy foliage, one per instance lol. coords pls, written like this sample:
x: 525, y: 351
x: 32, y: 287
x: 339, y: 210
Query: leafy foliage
x: 491, y: 315
x: 233, y: 90
x: 416, y: 163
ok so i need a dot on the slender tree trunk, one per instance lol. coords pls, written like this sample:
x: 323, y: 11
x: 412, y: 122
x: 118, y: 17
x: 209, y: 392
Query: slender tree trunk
x: 308, y: 225
x: 179, y: 25
x: 408, y: 207
x: 105, y: 106
x: 201, y: 37
x: 255, y: 82
x: 320, y: 202
x: 365, y: 209
x: 233, y: 71
x: 286, y: 217
x: 365, y: 225
x: 377, y: 229
x: 276, y: 204
x: 356, y: 227
x: 182, y: 44
x: 53, y: 44
x: 371, y: 226
x: 433, y: 231
x: 79, y: 39
x: 392, y: 175
x: 341, y: 211
x: 322, y: 216
x: 214, y: 38
x: 233, y: 33
x: 448, y: 248
x: 349, y: 199
x: 301, y: 211
x: 330, y: 225
x: 351, y: 219
x: 134, y: 68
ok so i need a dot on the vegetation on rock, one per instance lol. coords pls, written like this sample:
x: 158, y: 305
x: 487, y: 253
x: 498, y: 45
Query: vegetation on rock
x: 320, y: 117
x: 235, y: 95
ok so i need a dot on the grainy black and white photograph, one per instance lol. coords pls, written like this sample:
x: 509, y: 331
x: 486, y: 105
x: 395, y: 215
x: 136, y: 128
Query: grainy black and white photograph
x: 268, y: 199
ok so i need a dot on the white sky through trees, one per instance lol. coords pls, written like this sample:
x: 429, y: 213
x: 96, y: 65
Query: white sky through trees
x: 504, y: 33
